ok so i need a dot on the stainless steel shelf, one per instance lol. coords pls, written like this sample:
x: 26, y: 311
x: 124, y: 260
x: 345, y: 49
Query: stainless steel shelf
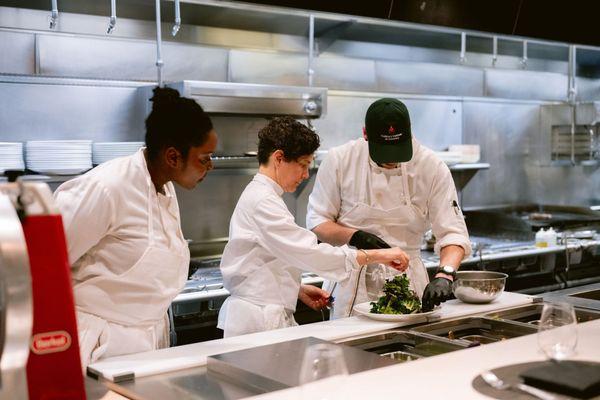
x: 463, y: 173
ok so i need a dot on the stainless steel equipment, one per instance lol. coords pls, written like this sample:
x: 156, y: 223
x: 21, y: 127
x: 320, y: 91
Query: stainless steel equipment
x: 277, y: 366
x: 477, y: 330
x: 531, y: 314
x: 574, y: 132
x: 229, y: 98
x: 520, y: 221
x: 478, y: 286
x: 403, y: 346
x: 16, y: 309
x: 592, y: 294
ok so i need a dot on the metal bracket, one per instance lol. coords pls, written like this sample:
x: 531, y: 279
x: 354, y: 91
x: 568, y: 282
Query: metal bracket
x: 326, y: 37
x: 524, y: 58
x: 494, y: 50
x: 113, y: 17
x: 177, y: 19
x: 54, y: 14
x: 463, y: 48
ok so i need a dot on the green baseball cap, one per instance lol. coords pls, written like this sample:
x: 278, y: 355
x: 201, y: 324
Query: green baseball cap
x: 387, y: 126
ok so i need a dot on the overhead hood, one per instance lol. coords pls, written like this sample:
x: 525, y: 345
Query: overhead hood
x: 243, y: 99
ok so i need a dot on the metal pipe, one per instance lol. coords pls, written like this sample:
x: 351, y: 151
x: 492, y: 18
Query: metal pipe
x: 177, y: 19
x: 572, y: 90
x: 463, y: 47
x: 573, y: 121
x: 159, y: 61
x: 311, y: 46
x: 524, y: 59
x: 113, y: 17
x: 494, y: 50
x: 54, y: 14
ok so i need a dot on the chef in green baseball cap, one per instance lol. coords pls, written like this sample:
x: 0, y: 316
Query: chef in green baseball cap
x: 386, y: 189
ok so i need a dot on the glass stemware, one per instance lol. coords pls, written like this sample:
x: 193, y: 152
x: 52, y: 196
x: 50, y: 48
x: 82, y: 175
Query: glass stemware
x: 325, y: 363
x: 557, y: 331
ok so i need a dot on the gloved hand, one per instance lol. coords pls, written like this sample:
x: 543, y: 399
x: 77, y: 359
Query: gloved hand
x: 365, y: 240
x: 436, y: 292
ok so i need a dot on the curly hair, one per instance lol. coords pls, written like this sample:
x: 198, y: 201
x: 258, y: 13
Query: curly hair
x: 175, y: 121
x: 288, y: 135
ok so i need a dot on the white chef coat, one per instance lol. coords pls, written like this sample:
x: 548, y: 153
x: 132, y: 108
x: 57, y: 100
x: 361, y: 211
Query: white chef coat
x: 128, y: 255
x: 397, y: 205
x: 264, y: 258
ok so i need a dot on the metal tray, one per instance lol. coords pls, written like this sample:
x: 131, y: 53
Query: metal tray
x: 403, y: 346
x: 591, y: 294
x: 531, y: 314
x: 477, y: 330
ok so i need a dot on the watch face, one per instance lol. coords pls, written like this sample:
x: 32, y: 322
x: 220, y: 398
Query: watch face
x: 448, y: 269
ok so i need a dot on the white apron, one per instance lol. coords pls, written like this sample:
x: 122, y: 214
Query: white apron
x: 394, y: 225
x: 238, y: 316
x: 124, y: 314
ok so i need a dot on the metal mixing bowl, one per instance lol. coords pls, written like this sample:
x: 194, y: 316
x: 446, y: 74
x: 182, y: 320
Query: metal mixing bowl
x: 478, y: 286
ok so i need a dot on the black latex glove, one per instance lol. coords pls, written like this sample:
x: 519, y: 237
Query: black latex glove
x: 436, y: 292
x: 365, y: 240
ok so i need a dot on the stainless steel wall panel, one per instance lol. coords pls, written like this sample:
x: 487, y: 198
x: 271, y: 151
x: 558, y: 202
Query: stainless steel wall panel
x: 429, y: 78
x: 17, y: 53
x: 527, y: 85
x: 42, y: 112
x: 588, y: 89
x: 390, y: 52
x: 267, y: 68
x: 504, y: 131
x: 290, y: 69
x: 345, y: 73
x: 86, y: 57
x: 578, y: 185
x: 206, y: 210
x: 436, y: 123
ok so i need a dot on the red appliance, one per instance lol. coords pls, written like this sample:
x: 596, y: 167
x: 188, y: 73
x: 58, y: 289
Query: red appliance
x: 54, y: 368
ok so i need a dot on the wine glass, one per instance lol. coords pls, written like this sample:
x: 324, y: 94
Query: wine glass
x: 557, y: 331
x: 325, y: 363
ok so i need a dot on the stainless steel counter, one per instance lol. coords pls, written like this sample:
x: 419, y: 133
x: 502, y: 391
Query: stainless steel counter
x: 193, y: 383
x: 566, y: 295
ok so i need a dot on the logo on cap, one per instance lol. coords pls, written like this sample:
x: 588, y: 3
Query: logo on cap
x: 391, y: 130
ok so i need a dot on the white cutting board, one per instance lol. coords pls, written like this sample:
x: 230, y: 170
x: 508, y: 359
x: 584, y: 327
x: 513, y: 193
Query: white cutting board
x: 194, y: 355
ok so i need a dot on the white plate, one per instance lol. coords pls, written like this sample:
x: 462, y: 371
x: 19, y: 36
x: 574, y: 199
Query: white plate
x: 365, y: 309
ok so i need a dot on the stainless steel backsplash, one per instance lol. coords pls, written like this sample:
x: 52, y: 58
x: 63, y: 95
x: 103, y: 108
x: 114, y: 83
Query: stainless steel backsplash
x: 449, y: 103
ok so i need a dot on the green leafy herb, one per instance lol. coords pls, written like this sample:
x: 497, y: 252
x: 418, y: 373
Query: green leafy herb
x: 398, y: 298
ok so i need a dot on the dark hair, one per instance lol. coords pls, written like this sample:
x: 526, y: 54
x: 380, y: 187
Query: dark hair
x: 175, y: 121
x: 288, y: 135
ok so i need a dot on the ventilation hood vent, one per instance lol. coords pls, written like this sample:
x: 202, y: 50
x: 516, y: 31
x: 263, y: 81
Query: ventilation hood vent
x: 243, y: 99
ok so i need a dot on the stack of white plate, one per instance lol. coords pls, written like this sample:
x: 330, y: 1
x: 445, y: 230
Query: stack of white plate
x: 103, y: 152
x: 449, y: 157
x: 59, y: 157
x: 11, y: 156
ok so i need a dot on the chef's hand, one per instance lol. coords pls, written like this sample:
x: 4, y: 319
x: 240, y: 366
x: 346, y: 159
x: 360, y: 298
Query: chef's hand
x: 394, y: 257
x: 313, y: 297
x: 365, y: 240
x: 436, y: 292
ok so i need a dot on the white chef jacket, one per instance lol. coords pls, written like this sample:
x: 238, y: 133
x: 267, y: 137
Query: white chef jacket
x: 397, y: 205
x: 430, y: 182
x: 116, y: 225
x: 264, y: 258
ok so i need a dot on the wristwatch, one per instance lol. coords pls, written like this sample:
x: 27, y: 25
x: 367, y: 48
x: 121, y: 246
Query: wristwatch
x: 448, y: 270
